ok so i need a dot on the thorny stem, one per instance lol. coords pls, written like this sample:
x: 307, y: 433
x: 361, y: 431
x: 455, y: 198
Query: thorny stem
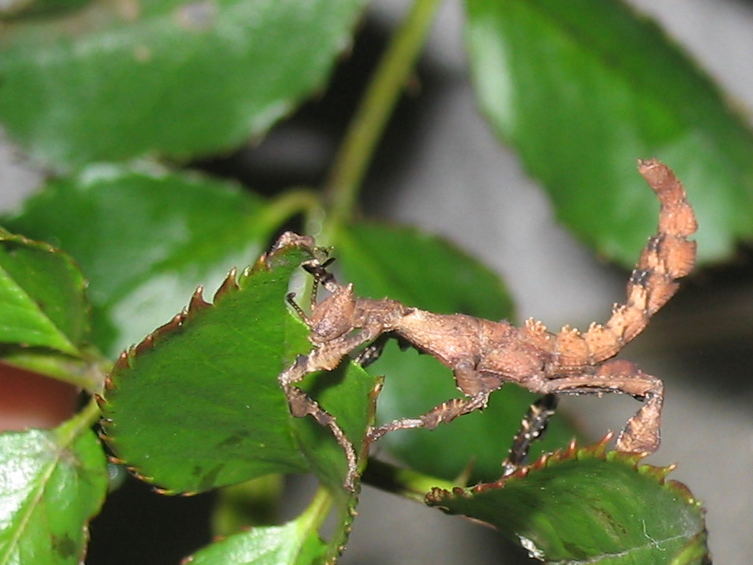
x: 404, y: 482
x: 371, y: 117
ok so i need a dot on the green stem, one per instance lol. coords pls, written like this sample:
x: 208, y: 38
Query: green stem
x: 404, y: 482
x: 370, y: 119
x: 318, y: 510
x: 288, y: 204
x: 89, y: 415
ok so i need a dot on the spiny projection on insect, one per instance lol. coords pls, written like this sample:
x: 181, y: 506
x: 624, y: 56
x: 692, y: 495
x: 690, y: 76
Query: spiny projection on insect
x: 484, y: 354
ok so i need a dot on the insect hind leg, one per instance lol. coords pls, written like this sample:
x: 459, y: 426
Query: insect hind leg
x: 532, y: 426
x: 641, y: 433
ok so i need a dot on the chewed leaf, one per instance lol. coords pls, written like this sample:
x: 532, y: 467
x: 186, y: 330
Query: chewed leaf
x: 589, y: 505
x: 113, y: 81
x: 196, y: 404
x: 42, y: 300
x: 53, y: 483
x: 582, y: 89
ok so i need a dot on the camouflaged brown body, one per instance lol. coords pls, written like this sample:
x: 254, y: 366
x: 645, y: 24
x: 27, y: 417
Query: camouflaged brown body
x: 668, y: 256
x: 484, y: 354
x: 521, y: 353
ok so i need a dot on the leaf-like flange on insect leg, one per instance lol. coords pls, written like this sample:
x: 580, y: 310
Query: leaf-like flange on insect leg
x: 196, y: 404
x: 582, y: 504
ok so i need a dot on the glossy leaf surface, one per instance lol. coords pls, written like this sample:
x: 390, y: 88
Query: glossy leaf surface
x: 116, y: 80
x: 585, y: 506
x: 424, y: 271
x: 42, y: 299
x: 197, y: 404
x: 53, y: 483
x: 581, y: 90
x: 145, y: 239
x: 293, y: 543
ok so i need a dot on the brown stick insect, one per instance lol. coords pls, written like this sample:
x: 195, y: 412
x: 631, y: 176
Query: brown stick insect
x: 483, y: 354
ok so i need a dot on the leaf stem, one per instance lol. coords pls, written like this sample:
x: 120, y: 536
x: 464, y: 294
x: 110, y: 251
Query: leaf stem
x: 404, y: 482
x: 371, y: 117
x: 318, y: 510
x: 288, y: 204
x: 88, y: 416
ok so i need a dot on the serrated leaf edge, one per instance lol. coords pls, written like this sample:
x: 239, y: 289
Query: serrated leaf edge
x: 575, y: 453
x: 196, y: 304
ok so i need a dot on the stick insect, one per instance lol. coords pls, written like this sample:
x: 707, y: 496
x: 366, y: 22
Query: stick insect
x: 483, y: 354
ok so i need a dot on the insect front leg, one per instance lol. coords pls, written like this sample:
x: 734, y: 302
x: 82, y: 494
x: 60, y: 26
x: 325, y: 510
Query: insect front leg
x: 642, y: 432
x: 325, y: 358
x: 534, y: 424
x: 301, y: 405
x: 445, y: 412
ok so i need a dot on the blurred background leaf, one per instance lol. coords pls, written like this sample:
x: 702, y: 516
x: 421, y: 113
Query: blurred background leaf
x: 581, y: 90
x: 116, y: 80
x: 145, y: 239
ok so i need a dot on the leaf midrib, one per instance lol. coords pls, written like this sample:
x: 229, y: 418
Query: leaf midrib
x: 61, y: 444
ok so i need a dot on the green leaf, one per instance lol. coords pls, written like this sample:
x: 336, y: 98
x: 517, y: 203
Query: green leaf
x: 16, y: 8
x: 145, y: 239
x: 53, y: 483
x: 585, y: 506
x: 251, y: 503
x: 288, y: 544
x: 346, y: 394
x: 294, y: 543
x: 197, y: 405
x: 42, y: 299
x: 582, y: 89
x: 113, y: 81
x: 424, y: 271
x: 86, y: 373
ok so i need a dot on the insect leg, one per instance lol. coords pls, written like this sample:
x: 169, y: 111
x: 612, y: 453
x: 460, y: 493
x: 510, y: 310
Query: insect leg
x: 373, y: 351
x: 327, y: 357
x: 445, y: 412
x: 534, y: 424
x: 301, y: 404
x: 642, y: 432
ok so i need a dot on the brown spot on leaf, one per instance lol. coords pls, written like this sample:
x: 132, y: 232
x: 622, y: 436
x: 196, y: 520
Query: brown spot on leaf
x: 64, y: 546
